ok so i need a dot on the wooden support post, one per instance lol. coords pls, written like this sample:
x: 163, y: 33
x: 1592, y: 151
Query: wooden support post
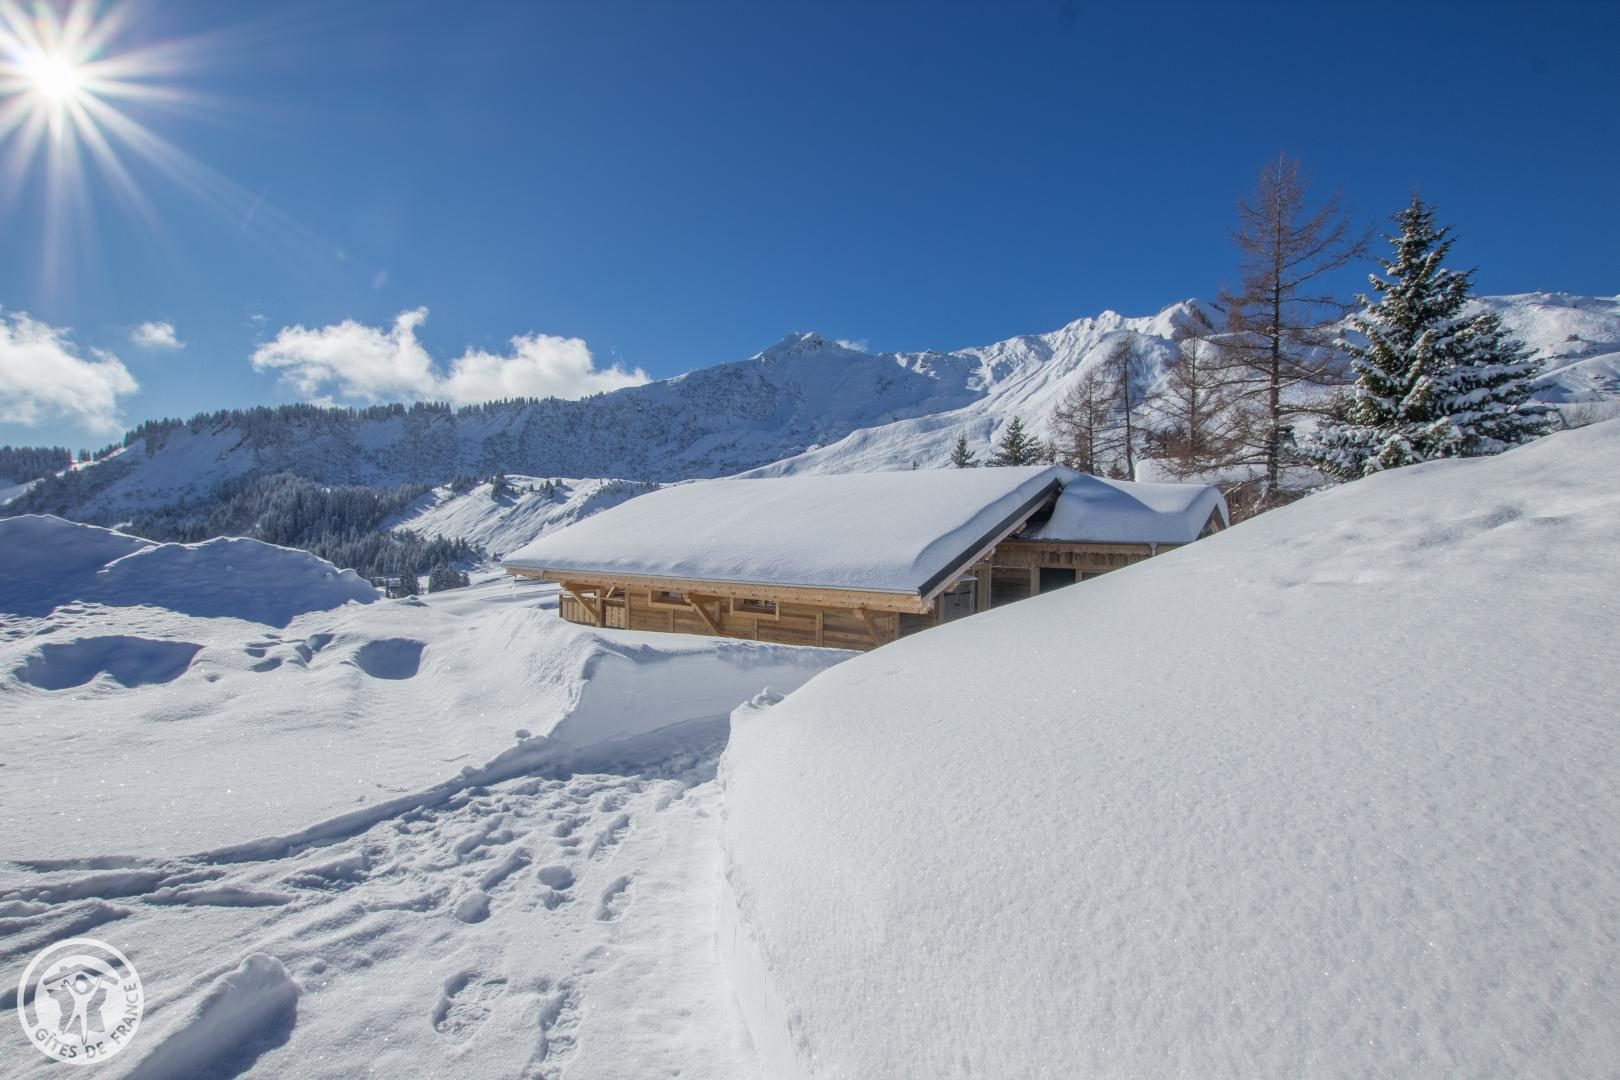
x: 871, y: 625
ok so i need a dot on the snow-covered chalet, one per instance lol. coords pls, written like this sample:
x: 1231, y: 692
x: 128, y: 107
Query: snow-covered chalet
x: 856, y: 560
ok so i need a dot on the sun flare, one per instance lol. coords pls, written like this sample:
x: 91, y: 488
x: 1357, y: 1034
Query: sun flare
x: 79, y: 82
x: 55, y: 77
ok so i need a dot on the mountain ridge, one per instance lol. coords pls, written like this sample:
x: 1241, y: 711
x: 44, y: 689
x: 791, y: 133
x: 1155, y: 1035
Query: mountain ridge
x: 802, y: 404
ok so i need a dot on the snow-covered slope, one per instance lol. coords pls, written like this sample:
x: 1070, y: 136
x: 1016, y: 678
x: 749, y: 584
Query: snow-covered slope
x: 536, y: 507
x: 1333, y: 793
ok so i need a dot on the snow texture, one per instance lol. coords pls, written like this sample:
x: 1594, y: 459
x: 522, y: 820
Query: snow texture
x: 1331, y: 794
x: 451, y: 836
x: 1103, y: 511
x: 50, y: 562
x: 886, y: 532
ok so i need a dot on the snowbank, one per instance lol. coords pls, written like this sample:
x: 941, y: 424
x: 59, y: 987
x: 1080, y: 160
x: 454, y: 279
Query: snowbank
x: 1332, y: 793
x: 884, y: 532
x: 51, y: 562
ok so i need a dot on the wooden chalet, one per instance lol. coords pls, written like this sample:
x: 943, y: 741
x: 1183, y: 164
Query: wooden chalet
x: 853, y: 561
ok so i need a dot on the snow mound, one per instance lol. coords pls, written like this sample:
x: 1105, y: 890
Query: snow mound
x: 246, y: 1011
x: 51, y: 562
x: 1331, y: 793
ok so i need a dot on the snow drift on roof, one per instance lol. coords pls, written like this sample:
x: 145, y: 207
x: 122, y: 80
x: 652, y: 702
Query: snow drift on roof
x: 1332, y: 793
x: 1124, y: 512
x: 50, y: 562
x: 886, y: 532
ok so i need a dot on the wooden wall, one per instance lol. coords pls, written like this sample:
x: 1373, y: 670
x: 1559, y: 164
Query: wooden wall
x: 794, y: 623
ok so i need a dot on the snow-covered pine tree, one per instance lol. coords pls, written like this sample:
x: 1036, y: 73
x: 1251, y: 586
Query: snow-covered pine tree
x: 1430, y: 382
x: 1487, y: 393
x: 1016, y: 447
x: 444, y: 576
x: 961, y: 456
x: 498, y: 485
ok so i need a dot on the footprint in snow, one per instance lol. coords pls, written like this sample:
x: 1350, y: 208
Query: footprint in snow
x: 613, y: 899
x: 555, y: 881
x: 465, y: 1003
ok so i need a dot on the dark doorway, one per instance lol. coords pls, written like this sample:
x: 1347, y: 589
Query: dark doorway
x: 1055, y: 577
x: 1008, y: 584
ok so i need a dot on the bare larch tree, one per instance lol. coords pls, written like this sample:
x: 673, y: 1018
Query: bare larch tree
x: 1284, y: 318
x: 1202, y: 418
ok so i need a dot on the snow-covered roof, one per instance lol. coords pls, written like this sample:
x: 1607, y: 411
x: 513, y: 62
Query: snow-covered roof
x: 881, y: 532
x: 1102, y: 511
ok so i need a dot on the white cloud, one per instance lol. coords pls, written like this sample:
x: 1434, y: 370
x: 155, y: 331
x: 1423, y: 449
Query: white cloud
x: 156, y: 335
x: 352, y: 360
x: 355, y: 362
x: 44, y: 377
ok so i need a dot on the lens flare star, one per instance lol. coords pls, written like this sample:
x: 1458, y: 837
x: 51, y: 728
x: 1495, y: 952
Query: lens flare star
x: 76, y: 83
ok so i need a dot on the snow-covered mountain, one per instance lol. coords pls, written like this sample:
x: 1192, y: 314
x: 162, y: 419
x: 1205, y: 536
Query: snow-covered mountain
x: 805, y: 404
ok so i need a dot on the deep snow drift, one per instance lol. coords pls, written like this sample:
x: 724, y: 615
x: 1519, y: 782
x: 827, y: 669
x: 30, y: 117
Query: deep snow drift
x: 1334, y: 793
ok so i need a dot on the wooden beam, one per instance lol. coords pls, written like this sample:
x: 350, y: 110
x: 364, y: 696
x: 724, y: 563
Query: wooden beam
x: 703, y: 613
x: 871, y: 625
x: 579, y: 595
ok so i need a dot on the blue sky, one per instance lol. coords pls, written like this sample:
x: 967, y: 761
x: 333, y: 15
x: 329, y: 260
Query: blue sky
x: 680, y: 184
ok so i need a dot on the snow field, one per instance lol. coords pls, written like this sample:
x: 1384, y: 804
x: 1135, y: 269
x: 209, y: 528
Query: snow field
x: 430, y: 837
x: 1331, y: 794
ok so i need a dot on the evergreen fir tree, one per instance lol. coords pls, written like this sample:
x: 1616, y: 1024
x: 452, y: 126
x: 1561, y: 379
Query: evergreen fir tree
x: 408, y: 584
x: 498, y: 486
x: 962, y: 457
x: 443, y: 577
x: 1016, y: 447
x: 1429, y: 382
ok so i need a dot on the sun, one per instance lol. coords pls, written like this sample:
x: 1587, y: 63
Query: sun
x: 85, y: 89
x: 55, y: 77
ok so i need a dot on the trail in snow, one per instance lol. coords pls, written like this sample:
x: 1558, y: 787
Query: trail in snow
x: 471, y: 938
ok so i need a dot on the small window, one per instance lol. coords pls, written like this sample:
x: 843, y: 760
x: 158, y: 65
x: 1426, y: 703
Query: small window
x: 665, y: 598
x: 752, y: 606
